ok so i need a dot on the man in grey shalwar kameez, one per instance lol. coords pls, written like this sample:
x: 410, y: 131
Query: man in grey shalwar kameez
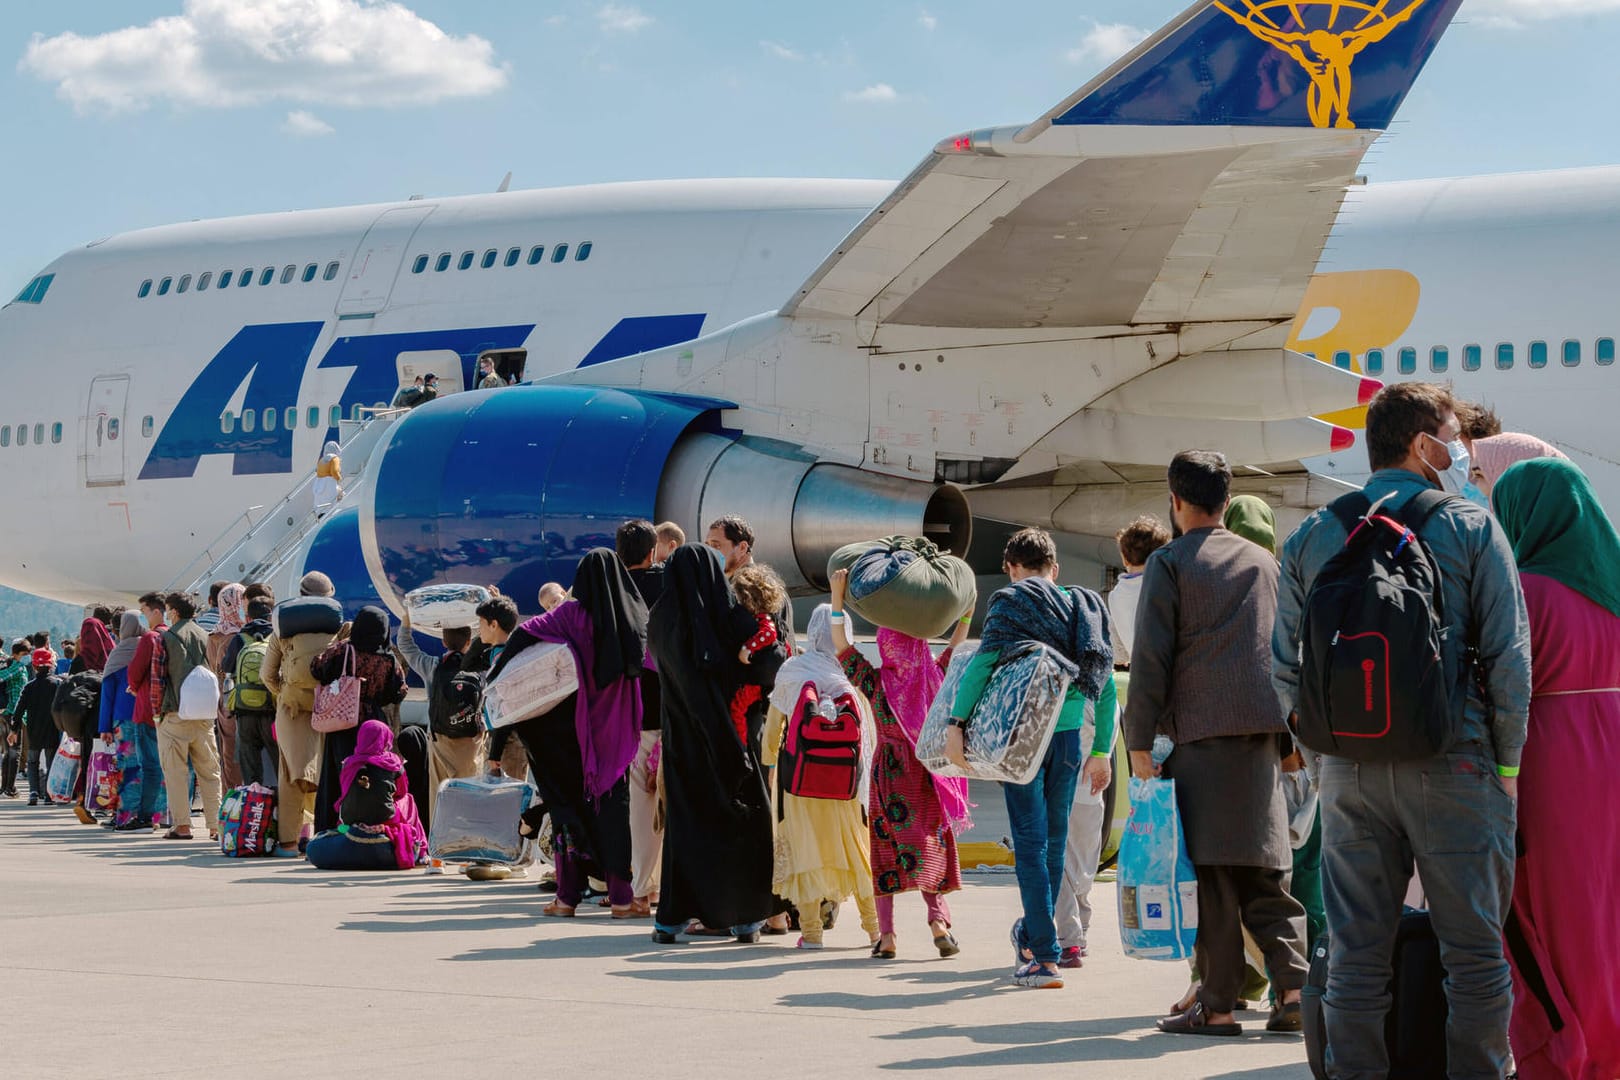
x: 1201, y: 674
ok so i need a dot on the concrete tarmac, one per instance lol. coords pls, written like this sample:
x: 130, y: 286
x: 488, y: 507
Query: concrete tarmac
x: 128, y: 956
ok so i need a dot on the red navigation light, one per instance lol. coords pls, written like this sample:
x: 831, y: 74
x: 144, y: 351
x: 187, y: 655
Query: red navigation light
x: 962, y: 144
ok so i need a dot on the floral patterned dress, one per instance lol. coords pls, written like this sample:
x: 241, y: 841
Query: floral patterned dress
x: 913, y: 847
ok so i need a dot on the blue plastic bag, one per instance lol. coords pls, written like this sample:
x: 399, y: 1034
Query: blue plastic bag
x: 1158, y: 888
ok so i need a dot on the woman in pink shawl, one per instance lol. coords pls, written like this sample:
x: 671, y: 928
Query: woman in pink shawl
x: 914, y: 815
x: 1493, y: 456
x: 367, y: 839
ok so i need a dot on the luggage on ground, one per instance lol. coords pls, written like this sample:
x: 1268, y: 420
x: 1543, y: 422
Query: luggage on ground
x: 76, y: 709
x: 307, y: 615
x: 1012, y: 725
x: 1157, y: 885
x: 1373, y: 684
x: 476, y: 820
x: 102, y: 783
x: 247, y: 821
x: 530, y: 685
x: 821, y: 752
x: 64, y: 770
x: 248, y: 692
x: 436, y: 608
x: 907, y: 584
x: 456, y: 700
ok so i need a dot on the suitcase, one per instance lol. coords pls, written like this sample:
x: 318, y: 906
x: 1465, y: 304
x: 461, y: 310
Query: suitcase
x: 1415, y: 1029
x: 1012, y: 725
x: 476, y: 820
x: 433, y: 608
x: 247, y: 820
x: 532, y: 684
x: 906, y: 584
x: 307, y: 615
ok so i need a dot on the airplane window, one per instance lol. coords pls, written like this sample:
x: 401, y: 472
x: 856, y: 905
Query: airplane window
x: 39, y: 434
x: 5, y: 435
x: 1605, y: 351
x: 1538, y: 354
x: 1472, y: 356
x: 1340, y: 359
x: 287, y: 273
x: 1504, y: 356
x: 1439, y: 358
x: 1406, y: 361
x: 34, y: 291
x: 309, y: 273
x: 163, y: 286
x: 488, y: 260
x: 112, y: 429
x: 145, y: 290
x: 269, y: 421
x: 442, y: 263
x: 289, y: 418
x: 513, y: 255
x: 559, y: 253
x: 250, y: 421
x: 312, y: 417
x: 330, y: 272
x: 227, y: 422
x: 1374, y: 361
x: 202, y: 282
x: 465, y: 261
x: 537, y: 253
x: 267, y: 275
x: 185, y: 283
x: 355, y: 413
x: 420, y: 264
x: 1572, y: 354
x: 146, y: 427
x: 224, y: 279
x: 247, y: 278
x: 335, y: 416
x: 56, y: 432
x: 584, y: 253
x: 22, y: 434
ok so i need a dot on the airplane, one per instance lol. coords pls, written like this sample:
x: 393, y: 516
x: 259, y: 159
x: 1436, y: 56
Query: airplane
x: 1023, y: 330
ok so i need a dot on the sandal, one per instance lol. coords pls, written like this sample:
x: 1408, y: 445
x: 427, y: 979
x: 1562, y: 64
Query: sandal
x: 880, y: 953
x: 172, y: 835
x: 946, y: 944
x: 558, y: 910
x: 1286, y: 1019
x: 630, y: 911
x: 803, y: 944
x: 1195, y: 1021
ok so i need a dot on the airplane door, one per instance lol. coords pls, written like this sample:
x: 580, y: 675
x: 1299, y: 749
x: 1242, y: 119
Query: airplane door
x: 378, y: 259
x: 104, y: 434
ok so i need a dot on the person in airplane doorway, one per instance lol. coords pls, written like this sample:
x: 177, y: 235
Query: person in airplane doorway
x: 1450, y: 813
x: 430, y: 389
x: 256, y: 751
x: 488, y: 378
x: 670, y: 537
x: 1200, y: 676
x: 1563, y: 931
x: 636, y: 543
x: 367, y: 655
x: 328, y: 485
x: 227, y: 625
x: 287, y: 674
x: 914, y: 817
x: 409, y: 397
x: 186, y: 744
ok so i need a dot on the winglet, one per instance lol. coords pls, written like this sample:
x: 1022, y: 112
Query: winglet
x: 1270, y: 63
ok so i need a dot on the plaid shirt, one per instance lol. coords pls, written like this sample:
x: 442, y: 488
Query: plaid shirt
x: 160, y: 676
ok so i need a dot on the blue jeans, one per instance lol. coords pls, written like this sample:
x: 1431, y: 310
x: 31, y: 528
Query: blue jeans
x: 1039, y: 815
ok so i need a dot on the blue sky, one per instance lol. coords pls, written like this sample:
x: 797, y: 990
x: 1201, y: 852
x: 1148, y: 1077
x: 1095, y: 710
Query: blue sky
x: 204, y: 108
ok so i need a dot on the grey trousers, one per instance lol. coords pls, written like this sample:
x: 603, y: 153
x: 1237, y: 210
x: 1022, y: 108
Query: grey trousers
x: 1451, y: 817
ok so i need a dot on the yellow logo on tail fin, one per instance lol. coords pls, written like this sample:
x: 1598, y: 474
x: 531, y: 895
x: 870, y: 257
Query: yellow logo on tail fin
x: 1326, y: 53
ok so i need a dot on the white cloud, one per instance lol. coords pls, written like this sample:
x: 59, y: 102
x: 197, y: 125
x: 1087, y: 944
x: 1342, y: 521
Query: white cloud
x: 1508, y: 12
x: 619, y: 19
x: 556, y: 20
x: 226, y: 53
x: 780, y: 51
x: 927, y: 21
x: 876, y: 94
x: 1105, y: 43
x: 306, y: 125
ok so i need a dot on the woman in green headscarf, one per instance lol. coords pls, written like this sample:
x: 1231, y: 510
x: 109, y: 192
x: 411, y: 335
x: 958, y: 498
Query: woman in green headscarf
x: 1252, y: 519
x: 1569, y: 813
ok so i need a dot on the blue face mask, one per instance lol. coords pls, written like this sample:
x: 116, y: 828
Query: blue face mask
x: 1472, y: 493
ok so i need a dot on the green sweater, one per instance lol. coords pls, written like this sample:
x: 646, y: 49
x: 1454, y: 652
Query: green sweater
x: 983, y: 666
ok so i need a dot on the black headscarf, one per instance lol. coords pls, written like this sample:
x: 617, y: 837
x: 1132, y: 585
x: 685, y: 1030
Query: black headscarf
x: 603, y: 588
x: 695, y: 587
x: 369, y: 631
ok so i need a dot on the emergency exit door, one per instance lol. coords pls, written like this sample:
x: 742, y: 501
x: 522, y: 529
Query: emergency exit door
x: 104, y: 435
x: 378, y: 259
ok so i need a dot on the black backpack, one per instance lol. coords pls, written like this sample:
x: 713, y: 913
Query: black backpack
x: 456, y: 700
x: 1373, y: 683
x: 370, y: 798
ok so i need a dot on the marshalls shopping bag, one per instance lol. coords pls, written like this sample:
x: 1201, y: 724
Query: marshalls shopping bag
x: 1158, y: 889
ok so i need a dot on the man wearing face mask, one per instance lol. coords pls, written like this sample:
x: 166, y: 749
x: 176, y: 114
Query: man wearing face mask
x: 1452, y: 814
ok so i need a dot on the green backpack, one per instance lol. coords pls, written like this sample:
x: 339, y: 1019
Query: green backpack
x: 248, y: 693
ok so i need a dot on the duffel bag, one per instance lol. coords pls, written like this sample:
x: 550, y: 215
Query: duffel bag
x: 307, y: 615
x: 531, y: 684
x: 1012, y: 725
x: 907, y: 584
x: 436, y: 608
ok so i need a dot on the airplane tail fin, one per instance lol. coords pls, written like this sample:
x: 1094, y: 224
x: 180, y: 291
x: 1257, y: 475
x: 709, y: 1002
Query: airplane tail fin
x: 1269, y: 63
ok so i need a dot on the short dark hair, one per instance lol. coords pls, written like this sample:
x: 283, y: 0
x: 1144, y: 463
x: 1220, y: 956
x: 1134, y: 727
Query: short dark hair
x: 21, y: 646
x: 258, y: 589
x: 1477, y: 421
x: 182, y: 604
x: 101, y: 613
x: 213, y: 592
x: 260, y: 607
x: 1400, y: 413
x: 635, y: 541
x: 1201, y: 478
x: 41, y: 638
x: 501, y: 611
x: 1031, y: 549
x: 1141, y: 538
x: 153, y: 600
x: 735, y: 529
x: 457, y: 638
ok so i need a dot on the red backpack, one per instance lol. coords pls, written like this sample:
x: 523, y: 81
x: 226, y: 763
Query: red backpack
x: 821, y: 756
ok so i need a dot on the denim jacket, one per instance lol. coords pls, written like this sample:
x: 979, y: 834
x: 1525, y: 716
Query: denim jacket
x: 1483, y: 602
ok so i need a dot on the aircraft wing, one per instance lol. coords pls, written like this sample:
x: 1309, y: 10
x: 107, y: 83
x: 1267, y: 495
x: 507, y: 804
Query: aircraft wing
x: 1195, y: 180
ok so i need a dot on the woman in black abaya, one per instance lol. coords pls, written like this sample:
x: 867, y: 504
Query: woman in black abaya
x: 717, y: 817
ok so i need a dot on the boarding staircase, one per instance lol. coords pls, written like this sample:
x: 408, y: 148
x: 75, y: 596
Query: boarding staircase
x: 260, y: 542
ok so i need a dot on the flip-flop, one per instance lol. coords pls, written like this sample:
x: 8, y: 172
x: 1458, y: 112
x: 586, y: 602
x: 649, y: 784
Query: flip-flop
x: 1195, y: 1021
x: 946, y: 944
x: 172, y: 835
x: 558, y: 910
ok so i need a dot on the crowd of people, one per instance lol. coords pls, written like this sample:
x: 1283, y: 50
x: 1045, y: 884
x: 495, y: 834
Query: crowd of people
x: 668, y: 777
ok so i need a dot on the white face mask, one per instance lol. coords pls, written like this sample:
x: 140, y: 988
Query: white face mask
x: 1455, y: 478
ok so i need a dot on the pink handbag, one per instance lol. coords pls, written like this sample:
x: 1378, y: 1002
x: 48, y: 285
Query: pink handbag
x: 337, y: 705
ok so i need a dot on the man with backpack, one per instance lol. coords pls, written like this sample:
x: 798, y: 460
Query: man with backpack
x: 185, y: 726
x: 303, y: 627
x: 1420, y: 738
x: 455, y: 721
x: 248, y: 696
